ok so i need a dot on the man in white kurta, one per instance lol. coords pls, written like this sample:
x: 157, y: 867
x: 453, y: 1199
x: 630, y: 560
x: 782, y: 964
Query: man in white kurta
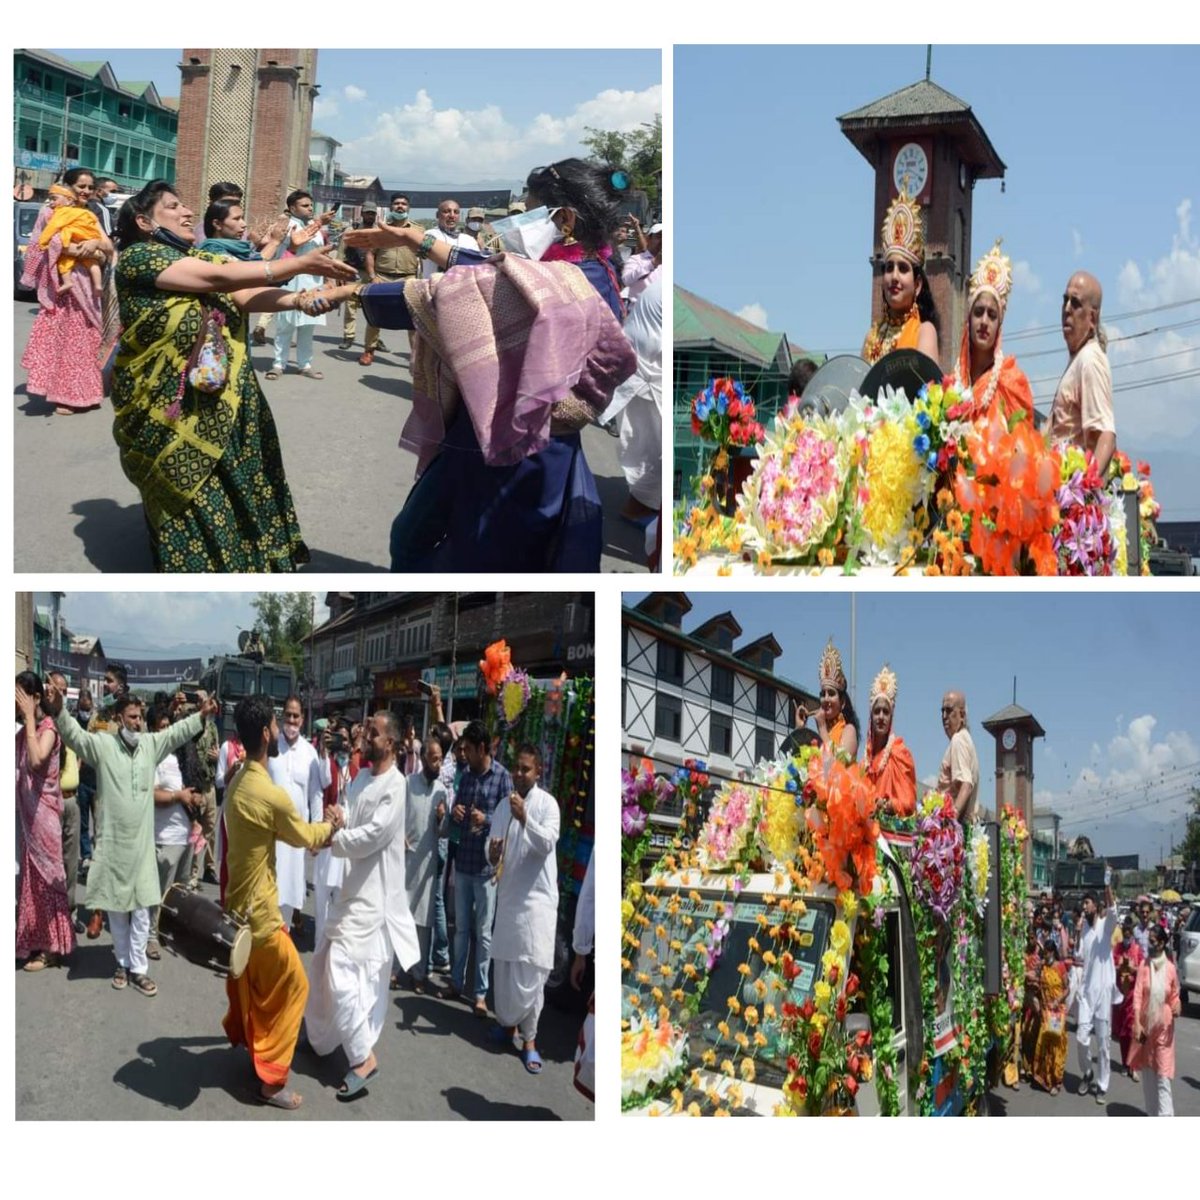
x: 523, y: 837
x: 426, y: 807
x: 369, y: 921
x: 296, y: 769
x: 1097, y: 989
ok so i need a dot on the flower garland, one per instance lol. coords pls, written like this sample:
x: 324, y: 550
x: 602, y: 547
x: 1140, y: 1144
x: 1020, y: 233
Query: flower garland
x: 979, y: 867
x: 641, y: 794
x: 1006, y: 1008
x: 841, y: 819
x: 1084, y: 539
x: 937, y: 855
x: 726, y: 835
x: 871, y: 938
x: 970, y: 1004
x: 653, y: 1060
x: 783, y: 822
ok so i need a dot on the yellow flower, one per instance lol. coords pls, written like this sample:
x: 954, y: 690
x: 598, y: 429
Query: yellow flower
x: 642, y: 977
x: 747, y: 1069
x: 769, y: 1013
x: 625, y: 964
x: 733, y: 1005
x: 751, y: 1015
x: 760, y: 1038
x: 839, y: 937
x: 721, y: 1112
x: 709, y: 1057
x: 743, y: 969
x: 763, y: 560
x: 742, y: 1039
x: 822, y: 993
x: 676, y: 1100
x: 760, y: 988
x: 693, y: 1109
x: 678, y: 995
x: 753, y: 944
x: 848, y: 903
x: 825, y: 557
x: 726, y: 1067
x: 657, y: 993
x: 769, y: 958
x: 723, y: 1028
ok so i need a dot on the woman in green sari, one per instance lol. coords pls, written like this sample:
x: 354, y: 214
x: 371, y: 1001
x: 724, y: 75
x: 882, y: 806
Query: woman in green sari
x: 208, y: 465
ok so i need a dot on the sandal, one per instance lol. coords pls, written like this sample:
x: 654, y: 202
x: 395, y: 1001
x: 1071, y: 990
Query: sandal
x: 309, y: 373
x: 499, y: 1036
x: 37, y: 962
x: 480, y: 1009
x: 394, y: 984
x: 532, y: 1060
x: 272, y: 374
x: 285, y: 1099
x: 354, y: 1084
x: 120, y: 978
x: 144, y: 984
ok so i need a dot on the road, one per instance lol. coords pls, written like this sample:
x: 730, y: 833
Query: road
x: 86, y: 1052
x: 1124, y: 1095
x: 76, y: 511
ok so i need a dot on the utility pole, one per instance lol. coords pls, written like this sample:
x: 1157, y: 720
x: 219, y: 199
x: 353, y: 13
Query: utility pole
x: 453, y: 663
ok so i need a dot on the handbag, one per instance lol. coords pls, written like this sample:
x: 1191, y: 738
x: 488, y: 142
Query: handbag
x: 1054, y: 1022
x: 208, y: 364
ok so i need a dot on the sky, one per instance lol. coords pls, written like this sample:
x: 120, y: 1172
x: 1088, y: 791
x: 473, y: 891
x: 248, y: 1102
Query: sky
x: 135, y: 625
x: 1117, y: 712
x: 774, y: 210
x: 429, y: 117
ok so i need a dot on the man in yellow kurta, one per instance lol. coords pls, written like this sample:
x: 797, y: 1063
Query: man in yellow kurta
x: 266, y: 1003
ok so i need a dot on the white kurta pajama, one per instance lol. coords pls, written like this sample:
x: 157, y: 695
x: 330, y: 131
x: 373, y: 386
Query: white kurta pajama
x: 295, y: 769
x: 421, y: 832
x: 1097, y: 991
x: 368, y: 922
x: 526, y: 911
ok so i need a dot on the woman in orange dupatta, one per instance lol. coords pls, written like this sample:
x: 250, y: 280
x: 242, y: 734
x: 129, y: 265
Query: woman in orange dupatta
x: 909, y: 320
x: 1050, y: 1056
x: 836, y: 720
x: 982, y: 368
x: 887, y: 760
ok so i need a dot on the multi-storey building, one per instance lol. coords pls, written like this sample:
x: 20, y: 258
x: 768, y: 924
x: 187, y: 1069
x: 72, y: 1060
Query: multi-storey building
x: 696, y: 695
x: 68, y: 113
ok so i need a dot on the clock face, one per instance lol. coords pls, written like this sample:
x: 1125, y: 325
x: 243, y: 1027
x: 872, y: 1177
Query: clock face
x: 910, y: 170
x: 1009, y: 740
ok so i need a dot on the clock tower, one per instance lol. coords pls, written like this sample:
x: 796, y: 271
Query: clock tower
x: 1015, y: 729
x: 924, y: 137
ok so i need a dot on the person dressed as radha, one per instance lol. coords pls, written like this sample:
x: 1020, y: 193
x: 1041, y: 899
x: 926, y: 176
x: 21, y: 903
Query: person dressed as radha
x: 982, y: 368
x: 836, y: 720
x: 886, y: 759
x: 910, y: 320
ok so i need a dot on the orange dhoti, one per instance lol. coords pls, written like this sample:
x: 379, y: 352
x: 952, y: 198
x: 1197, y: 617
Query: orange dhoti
x: 266, y: 1006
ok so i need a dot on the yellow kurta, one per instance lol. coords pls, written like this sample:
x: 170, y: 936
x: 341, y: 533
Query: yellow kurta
x: 266, y: 1003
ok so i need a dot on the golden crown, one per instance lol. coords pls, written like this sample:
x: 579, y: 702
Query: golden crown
x: 903, y: 231
x: 993, y: 273
x: 830, y: 670
x: 885, y: 685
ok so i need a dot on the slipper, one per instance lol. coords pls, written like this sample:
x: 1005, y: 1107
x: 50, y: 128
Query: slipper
x: 285, y: 1099
x: 309, y: 373
x: 354, y: 1084
x: 479, y: 1008
x: 271, y: 375
x: 532, y: 1060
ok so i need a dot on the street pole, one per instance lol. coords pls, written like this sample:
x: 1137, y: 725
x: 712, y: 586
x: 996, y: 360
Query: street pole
x: 453, y: 663
x: 312, y: 662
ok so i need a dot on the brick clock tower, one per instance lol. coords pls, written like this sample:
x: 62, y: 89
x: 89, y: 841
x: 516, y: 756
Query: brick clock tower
x: 924, y: 133
x: 245, y: 116
x: 1015, y: 729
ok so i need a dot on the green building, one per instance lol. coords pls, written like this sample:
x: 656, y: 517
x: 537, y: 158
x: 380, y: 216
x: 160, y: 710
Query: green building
x: 709, y: 343
x: 68, y: 113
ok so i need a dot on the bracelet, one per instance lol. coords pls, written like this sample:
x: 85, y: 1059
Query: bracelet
x: 426, y: 245
x: 267, y: 271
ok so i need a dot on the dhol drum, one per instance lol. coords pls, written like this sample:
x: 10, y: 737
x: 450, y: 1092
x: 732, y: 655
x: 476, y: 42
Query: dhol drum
x: 223, y: 936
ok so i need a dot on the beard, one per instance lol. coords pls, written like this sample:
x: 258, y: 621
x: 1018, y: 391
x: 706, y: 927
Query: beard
x: 1090, y: 918
x: 273, y: 748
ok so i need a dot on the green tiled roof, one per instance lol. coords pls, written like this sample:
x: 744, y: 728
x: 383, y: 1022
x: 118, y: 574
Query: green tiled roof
x: 702, y: 324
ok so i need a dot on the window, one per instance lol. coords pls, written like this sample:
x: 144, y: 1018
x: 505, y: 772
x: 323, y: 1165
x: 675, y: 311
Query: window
x: 720, y: 734
x: 376, y: 648
x: 765, y: 701
x: 31, y: 142
x: 722, y: 684
x: 343, y: 654
x: 414, y: 634
x: 34, y: 76
x: 72, y: 151
x: 119, y: 164
x: 124, y: 108
x: 73, y: 90
x: 670, y: 662
x: 764, y: 744
x: 668, y: 717
x: 723, y: 639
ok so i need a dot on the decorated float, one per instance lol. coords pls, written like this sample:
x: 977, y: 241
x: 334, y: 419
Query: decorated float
x: 906, y: 477
x: 790, y: 955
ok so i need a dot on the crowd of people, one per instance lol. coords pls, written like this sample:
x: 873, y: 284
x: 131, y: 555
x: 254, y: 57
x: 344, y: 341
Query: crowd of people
x: 1082, y: 411
x: 553, y: 323
x: 401, y: 833
x: 1116, y: 971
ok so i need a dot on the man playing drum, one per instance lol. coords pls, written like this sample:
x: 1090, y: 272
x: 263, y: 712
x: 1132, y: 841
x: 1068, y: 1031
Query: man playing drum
x: 266, y: 1002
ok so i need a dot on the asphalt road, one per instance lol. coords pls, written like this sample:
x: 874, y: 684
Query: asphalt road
x: 85, y: 1051
x: 76, y: 511
x: 1125, y: 1097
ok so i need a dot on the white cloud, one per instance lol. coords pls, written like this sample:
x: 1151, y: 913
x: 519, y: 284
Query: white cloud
x: 1077, y: 242
x: 324, y: 107
x: 1024, y: 279
x: 1164, y: 414
x: 353, y: 94
x: 755, y: 314
x: 448, y: 145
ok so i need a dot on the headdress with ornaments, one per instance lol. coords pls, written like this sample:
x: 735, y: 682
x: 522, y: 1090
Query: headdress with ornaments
x: 903, y: 231
x: 993, y: 273
x: 830, y: 670
x: 884, y: 686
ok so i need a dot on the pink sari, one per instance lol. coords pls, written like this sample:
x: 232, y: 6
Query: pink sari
x: 43, y: 919
x: 62, y: 356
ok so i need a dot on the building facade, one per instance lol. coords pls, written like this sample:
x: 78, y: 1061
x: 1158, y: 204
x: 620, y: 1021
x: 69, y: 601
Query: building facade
x: 245, y: 116
x: 694, y: 695
x: 68, y: 113
x: 378, y: 648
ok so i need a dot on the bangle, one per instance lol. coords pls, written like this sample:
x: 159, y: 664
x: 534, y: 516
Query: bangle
x: 267, y: 271
x: 426, y: 245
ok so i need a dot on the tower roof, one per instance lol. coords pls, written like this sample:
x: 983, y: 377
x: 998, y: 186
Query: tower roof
x: 921, y: 108
x: 1014, y: 714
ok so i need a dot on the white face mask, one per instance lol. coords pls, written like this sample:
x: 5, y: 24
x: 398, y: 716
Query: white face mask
x: 474, y: 226
x: 130, y: 737
x: 528, y: 234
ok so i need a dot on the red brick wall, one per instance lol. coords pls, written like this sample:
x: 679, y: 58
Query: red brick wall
x: 193, y: 122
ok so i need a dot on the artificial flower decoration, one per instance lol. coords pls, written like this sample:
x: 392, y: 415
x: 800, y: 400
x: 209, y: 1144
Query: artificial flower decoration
x: 727, y: 832
x: 495, y: 665
x: 723, y: 414
x: 841, y: 819
x: 937, y: 854
x: 1084, y: 539
x: 514, y: 695
x: 653, y: 1058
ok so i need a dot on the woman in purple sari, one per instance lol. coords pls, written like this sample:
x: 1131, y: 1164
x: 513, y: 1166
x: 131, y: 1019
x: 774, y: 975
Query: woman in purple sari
x: 44, y: 930
x: 510, y: 361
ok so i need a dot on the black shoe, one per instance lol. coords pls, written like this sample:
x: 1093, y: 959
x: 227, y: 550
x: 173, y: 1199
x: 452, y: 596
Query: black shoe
x: 1101, y: 1097
x: 346, y: 346
x: 1085, y: 1085
x: 381, y: 347
x: 210, y: 877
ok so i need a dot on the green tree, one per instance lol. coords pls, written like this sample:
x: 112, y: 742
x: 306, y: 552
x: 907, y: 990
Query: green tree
x: 1189, y: 848
x: 638, y: 153
x: 285, y: 620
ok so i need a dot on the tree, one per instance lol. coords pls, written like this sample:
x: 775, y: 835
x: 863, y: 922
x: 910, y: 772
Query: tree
x: 1189, y: 848
x: 638, y: 153
x: 285, y: 620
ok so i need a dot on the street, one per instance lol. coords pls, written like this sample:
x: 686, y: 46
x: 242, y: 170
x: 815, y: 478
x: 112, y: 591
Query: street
x: 76, y: 511
x: 88, y: 1052
x: 1124, y: 1095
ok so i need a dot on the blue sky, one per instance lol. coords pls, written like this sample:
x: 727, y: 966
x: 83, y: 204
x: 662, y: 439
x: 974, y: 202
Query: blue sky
x: 1111, y: 678
x: 455, y: 116
x: 774, y: 207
